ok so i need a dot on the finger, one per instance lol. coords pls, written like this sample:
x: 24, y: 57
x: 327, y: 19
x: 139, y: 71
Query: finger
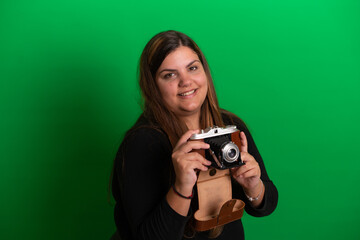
x: 197, y: 165
x: 245, y: 168
x: 244, y: 143
x: 234, y: 171
x: 246, y: 157
x: 250, y: 173
x: 193, y: 156
x: 184, y: 138
x: 191, y: 145
x: 192, y: 166
x: 240, y: 170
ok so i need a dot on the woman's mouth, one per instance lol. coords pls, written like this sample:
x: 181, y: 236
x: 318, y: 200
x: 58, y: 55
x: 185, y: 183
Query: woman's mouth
x: 184, y: 94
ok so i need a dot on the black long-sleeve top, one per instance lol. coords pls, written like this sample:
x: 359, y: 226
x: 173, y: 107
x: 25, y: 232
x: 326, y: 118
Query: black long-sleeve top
x: 142, y: 178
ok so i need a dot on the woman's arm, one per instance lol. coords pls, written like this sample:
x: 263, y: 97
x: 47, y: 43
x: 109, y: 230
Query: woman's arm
x: 143, y: 170
x: 186, y: 163
x: 264, y: 189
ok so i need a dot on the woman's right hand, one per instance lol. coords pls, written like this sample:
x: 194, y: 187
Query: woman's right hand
x: 186, y: 162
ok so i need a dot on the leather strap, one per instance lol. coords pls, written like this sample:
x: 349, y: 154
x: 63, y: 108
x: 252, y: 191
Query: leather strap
x: 231, y: 211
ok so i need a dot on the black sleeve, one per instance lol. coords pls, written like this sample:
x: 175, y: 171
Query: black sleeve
x: 271, y: 194
x: 143, y: 168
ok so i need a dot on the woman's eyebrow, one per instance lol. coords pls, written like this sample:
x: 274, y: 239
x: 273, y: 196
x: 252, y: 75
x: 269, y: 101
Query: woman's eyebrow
x: 192, y: 63
x: 172, y: 70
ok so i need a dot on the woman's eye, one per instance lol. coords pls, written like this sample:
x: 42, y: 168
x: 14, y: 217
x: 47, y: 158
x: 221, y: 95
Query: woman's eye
x: 169, y: 75
x: 193, y: 68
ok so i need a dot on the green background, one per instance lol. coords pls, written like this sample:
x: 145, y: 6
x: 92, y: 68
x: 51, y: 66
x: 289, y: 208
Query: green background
x: 68, y: 92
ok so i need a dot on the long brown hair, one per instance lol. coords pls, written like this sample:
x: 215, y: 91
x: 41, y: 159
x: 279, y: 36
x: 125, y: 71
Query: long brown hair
x: 154, y: 53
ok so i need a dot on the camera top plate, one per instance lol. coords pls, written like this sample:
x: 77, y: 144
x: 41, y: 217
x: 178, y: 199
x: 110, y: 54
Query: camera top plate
x: 214, y: 131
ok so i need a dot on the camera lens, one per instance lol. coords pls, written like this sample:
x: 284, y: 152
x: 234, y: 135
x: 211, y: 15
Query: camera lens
x: 232, y: 153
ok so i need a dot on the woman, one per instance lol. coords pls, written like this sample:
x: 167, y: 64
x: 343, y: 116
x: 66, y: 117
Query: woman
x: 155, y: 170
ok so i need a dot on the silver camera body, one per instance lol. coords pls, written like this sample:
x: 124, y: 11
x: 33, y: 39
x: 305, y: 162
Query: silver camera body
x: 224, y: 151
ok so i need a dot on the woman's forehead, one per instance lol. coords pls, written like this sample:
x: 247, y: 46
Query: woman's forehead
x: 180, y: 57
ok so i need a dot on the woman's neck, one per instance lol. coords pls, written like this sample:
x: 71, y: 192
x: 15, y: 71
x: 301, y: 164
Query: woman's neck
x: 192, y: 122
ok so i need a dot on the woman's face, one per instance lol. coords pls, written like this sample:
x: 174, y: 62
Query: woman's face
x: 182, y: 82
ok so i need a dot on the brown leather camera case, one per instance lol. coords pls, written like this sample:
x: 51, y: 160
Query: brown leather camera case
x: 216, y: 206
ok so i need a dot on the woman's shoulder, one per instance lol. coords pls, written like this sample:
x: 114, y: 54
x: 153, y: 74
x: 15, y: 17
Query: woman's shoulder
x: 144, y: 130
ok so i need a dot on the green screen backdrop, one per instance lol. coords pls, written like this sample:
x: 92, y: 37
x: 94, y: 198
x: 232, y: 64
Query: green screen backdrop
x: 68, y: 92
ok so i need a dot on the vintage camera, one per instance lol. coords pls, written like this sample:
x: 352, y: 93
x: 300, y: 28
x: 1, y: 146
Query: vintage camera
x: 224, y: 151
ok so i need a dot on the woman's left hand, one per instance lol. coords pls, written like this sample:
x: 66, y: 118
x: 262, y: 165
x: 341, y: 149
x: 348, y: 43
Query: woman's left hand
x: 247, y: 175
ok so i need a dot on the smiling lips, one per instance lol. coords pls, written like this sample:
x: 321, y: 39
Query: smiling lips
x: 187, y: 93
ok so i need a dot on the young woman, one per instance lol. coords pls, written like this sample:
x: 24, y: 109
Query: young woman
x: 156, y: 168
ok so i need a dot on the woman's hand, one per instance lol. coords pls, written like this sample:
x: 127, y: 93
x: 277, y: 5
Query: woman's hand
x: 186, y: 162
x: 248, y: 175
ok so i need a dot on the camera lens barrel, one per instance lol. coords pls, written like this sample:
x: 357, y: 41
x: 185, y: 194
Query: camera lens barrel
x: 230, y: 152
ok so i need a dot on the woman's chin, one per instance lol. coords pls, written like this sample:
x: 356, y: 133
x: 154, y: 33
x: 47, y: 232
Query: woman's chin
x: 191, y: 110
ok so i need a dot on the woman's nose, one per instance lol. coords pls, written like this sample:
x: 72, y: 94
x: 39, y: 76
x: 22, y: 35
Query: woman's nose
x: 185, y: 80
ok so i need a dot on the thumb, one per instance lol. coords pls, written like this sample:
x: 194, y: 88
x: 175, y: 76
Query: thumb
x: 244, y: 143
